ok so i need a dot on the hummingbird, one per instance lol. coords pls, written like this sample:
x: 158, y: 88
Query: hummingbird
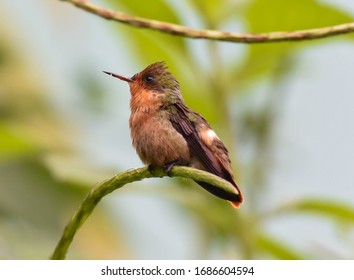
x: 165, y: 132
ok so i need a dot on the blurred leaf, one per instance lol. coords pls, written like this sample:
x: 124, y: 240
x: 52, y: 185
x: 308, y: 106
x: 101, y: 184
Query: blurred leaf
x: 151, y: 46
x: 217, y: 217
x: 215, y: 13
x: 338, y: 211
x: 35, y: 202
x: 159, y: 10
x: 27, y: 178
x: 211, y: 11
x: 275, y: 248
x: 278, y: 15
x: 98, y: 239
x: 13, y: 145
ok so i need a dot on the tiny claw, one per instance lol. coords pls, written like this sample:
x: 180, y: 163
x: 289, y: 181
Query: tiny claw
x: 151, y: 168
x: 168, y: 167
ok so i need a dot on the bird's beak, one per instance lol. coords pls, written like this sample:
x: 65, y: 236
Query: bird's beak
x: 129, y: 80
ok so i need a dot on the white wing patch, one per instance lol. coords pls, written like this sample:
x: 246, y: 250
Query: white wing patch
x: 211, y: 134
x: 207, y: 135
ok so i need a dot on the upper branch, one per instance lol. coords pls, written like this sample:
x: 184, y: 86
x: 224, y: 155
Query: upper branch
x: 181, y: 30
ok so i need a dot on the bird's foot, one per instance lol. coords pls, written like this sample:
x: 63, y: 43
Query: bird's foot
x: 151, y: 168
x: 155, y: 170
x: 168, y: 166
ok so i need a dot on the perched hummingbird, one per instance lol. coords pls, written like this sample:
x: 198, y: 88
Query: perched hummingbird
x: 165, y: 132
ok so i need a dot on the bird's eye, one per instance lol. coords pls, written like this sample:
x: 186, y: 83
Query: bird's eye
x: 149, y: 79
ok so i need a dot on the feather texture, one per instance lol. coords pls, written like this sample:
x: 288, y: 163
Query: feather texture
x: 206, y: 149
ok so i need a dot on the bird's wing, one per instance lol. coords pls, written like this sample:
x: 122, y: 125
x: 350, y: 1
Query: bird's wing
x: 206, y: 147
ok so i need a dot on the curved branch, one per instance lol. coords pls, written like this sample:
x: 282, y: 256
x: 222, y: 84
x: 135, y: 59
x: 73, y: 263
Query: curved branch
x: 181, y: 30
x: 118, y: 181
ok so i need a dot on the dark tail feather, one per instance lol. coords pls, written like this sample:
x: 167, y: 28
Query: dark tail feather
x: 234, y: 198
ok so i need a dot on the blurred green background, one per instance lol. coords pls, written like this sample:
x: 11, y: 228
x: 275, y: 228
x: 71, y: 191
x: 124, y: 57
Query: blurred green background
x: 284, y: 110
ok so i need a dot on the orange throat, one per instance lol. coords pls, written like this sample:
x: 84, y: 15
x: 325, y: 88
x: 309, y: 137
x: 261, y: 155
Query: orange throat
x: 145, y: 101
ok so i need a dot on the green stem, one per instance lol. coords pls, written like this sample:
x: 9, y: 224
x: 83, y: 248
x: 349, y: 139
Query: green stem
x: 118, y: 181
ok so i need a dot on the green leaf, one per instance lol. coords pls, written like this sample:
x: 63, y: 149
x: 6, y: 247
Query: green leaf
x: 276, y: 248
x: 12, y: 144
x: 277, y: 15
x: 158, y: 10
x: 212, y: 12
x: 151, y: 46
x: 338, y: 211
x: 291, y: 15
